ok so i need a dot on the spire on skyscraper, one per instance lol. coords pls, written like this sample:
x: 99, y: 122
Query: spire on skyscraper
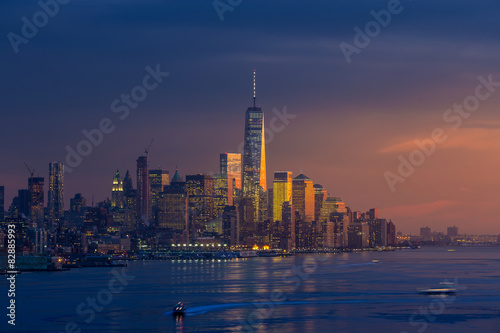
x: 254, y: 88
x: 177, y: 178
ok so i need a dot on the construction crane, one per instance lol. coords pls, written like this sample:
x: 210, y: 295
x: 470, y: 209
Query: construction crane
x: 147, y: 149
x: 31, y: 171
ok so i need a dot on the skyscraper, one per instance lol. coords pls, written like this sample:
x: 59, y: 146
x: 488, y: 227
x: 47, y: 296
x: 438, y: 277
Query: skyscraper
x: 143, y: 205
x: 391, y: 234
x: 254, y: 157
x: 23, y: 209
x: 158, y: 179
x: 200, y: 189
x: 117, y: 195
x: 223, y: 193
x: 320, y: 194
x: 334, y: 222
x: 128, y: 188
x: 378, y: 232
x: 332, y: 205
x: 173, y: 206
x: 56, y: 192
x: 303, y: 197
x: 36, y: 199
x: 282, y: 192
x: 78, y: 203
x: 230, y: 166
x: 230, y: 226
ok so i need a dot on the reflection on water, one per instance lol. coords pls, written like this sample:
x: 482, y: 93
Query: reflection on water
x: 346, y: 293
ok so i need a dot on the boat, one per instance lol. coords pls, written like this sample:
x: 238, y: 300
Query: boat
x: 247, y: 253
x: 446, y: 288
x: 179, y: 309
x: 375, y: 261
x: 267, y: 254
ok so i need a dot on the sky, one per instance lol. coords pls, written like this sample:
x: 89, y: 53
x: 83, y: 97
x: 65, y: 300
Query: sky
x: 349, y: 124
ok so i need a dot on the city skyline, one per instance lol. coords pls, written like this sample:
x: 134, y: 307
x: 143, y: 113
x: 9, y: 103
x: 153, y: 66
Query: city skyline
x: 145, y: 172
x: 351, y: 124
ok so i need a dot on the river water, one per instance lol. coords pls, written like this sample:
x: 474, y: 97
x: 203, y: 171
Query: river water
x: 327, y: 293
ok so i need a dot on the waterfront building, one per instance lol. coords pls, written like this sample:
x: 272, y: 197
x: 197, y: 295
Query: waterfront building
x: 378, y: 232
x: 358, y: 235
x: 391, y: 234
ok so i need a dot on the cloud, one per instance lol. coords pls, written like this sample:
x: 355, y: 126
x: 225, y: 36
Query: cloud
x: 476, y: 137
x: 416, y: 210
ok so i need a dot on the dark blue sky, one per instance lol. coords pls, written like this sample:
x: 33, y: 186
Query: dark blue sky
x: 396, y: 90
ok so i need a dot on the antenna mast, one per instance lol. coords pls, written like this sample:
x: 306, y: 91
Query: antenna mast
x: 254, y: 88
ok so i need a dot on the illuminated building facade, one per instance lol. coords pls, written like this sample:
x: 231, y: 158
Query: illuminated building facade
x: 287, y: 226
x: 358, y: 235
x: 303, y: 197
x: 36, y: 199
x: 200, y: 189
x: 334, y: 222
x: 158, y: 179
x: 331, y: 205
x: 254, y: 160
x: 320, y: 194
x: 173, y: 207
x: 143, y: 204
x: 282, y: 192
x: 223, y: 194
x: 56, y: 192
x: 78, y: 203
x: 117, y: 194
x: 378, y: 232
x: 230, y: 165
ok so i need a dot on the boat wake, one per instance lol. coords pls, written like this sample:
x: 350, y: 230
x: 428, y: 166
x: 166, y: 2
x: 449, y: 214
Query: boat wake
x: 196, y: 310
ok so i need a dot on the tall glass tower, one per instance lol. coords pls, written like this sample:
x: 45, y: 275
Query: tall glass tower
x: 254, y: 152
x: 56, y: 192
x: 143, y: 204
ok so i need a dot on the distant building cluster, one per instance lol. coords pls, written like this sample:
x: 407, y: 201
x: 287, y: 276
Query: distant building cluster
x: 233, y: 207
x: 451, y: 237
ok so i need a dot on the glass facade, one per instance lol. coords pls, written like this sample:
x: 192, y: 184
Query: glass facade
x: 282, y: 192
x: 56, y: 192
